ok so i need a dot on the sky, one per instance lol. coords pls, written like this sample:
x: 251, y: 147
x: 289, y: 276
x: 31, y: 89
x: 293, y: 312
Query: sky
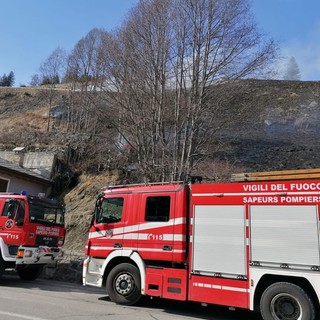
x: 31, y: 29
x: 295, y: 25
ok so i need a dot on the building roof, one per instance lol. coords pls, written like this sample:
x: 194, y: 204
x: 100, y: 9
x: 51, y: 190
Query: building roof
x: 14, y: 168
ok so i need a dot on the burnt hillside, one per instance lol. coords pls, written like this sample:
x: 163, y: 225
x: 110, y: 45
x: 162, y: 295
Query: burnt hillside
x: 261, y: 125
x: 271, y: 125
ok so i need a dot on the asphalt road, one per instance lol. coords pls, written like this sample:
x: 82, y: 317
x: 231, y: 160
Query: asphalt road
x: 50, y: 300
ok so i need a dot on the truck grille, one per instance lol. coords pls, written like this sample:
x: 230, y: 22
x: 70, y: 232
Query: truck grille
x: 46, y: 241
x: 13, y: 250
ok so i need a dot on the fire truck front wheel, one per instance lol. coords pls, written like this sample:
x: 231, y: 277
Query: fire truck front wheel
x: 124, y: 284
x: 286, y: 301
x: 29, y: 272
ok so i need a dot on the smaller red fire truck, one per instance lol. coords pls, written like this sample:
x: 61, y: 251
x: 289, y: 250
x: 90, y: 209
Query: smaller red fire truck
x: 31, y: 234
x: 251, y: 244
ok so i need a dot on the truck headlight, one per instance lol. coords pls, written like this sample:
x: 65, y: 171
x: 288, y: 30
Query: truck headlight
x: 27, y: 253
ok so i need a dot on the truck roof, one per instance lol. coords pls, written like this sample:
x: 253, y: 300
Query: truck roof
x: 148, y: 187
x: 34, y: 199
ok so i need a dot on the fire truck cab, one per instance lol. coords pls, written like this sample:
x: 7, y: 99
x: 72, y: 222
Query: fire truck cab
x: 31, y: 233
x: 251, y: 245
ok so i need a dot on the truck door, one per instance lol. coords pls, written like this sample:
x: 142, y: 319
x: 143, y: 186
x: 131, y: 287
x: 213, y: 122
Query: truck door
x: 156, y: 226
x: 12, y: 220
x: 106, y: 235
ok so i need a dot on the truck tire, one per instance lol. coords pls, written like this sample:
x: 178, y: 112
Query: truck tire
x: 286, y: 301
x: 29, y: 272
x: 2, y: 265
x: 124, y: 284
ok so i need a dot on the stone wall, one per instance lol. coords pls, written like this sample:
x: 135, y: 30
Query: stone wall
x: 39, y: 162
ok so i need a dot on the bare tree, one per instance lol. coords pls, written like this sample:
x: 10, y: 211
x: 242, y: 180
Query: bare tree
x: 136, y: 69
x: 162, y: 63
x: 35, y: 80
x: 54, y: 66
x: 84, y: 71
x: 84, y: 60
x: 215, y: 41
x: 51, y: 71
x: 88, y: 122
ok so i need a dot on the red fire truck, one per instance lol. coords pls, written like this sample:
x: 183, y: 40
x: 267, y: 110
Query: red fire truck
x: 31, y: 234
x: 251, y: 244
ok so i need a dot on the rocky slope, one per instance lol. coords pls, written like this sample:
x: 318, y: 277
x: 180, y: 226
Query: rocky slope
x: 79, y: 205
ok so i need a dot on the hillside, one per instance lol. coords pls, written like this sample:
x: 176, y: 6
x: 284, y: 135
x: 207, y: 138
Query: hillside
x: 263, y: 125
x: 271, y: 125
x: 79, y: 204
x: 24, y: 117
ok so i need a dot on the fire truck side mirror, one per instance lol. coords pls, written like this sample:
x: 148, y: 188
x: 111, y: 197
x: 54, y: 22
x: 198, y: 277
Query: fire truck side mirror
x: 93, y: 216
x: 96, y: 210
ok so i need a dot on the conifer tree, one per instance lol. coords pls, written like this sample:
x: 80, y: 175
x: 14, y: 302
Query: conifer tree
x: 292, y: 71
x: 7, y: 80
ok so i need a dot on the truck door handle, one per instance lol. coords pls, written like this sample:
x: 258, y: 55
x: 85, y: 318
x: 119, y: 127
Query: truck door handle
x: 167, y: 248
x: 117, y: 245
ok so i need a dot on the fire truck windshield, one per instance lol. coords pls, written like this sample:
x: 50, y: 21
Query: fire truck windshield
x: 109, y: 210
x: 46, y: 212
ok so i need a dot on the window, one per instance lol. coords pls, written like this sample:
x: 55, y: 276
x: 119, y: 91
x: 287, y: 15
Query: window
x: 158, y: 209
x: 3, y: 185
x: 109, y: 210
x: 14, y: 209
x: 20, y: 213
x: 43, y: 212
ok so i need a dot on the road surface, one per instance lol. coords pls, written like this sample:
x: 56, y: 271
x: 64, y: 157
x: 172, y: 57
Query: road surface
x: 51, y: 300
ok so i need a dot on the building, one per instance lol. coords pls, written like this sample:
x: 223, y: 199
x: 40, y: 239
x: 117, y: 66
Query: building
x: 15, y: 178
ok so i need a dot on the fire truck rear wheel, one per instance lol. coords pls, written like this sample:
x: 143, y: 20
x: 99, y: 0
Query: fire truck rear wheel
x: 29, y: 272
x: 124, y: 284
x: 286, y: 301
